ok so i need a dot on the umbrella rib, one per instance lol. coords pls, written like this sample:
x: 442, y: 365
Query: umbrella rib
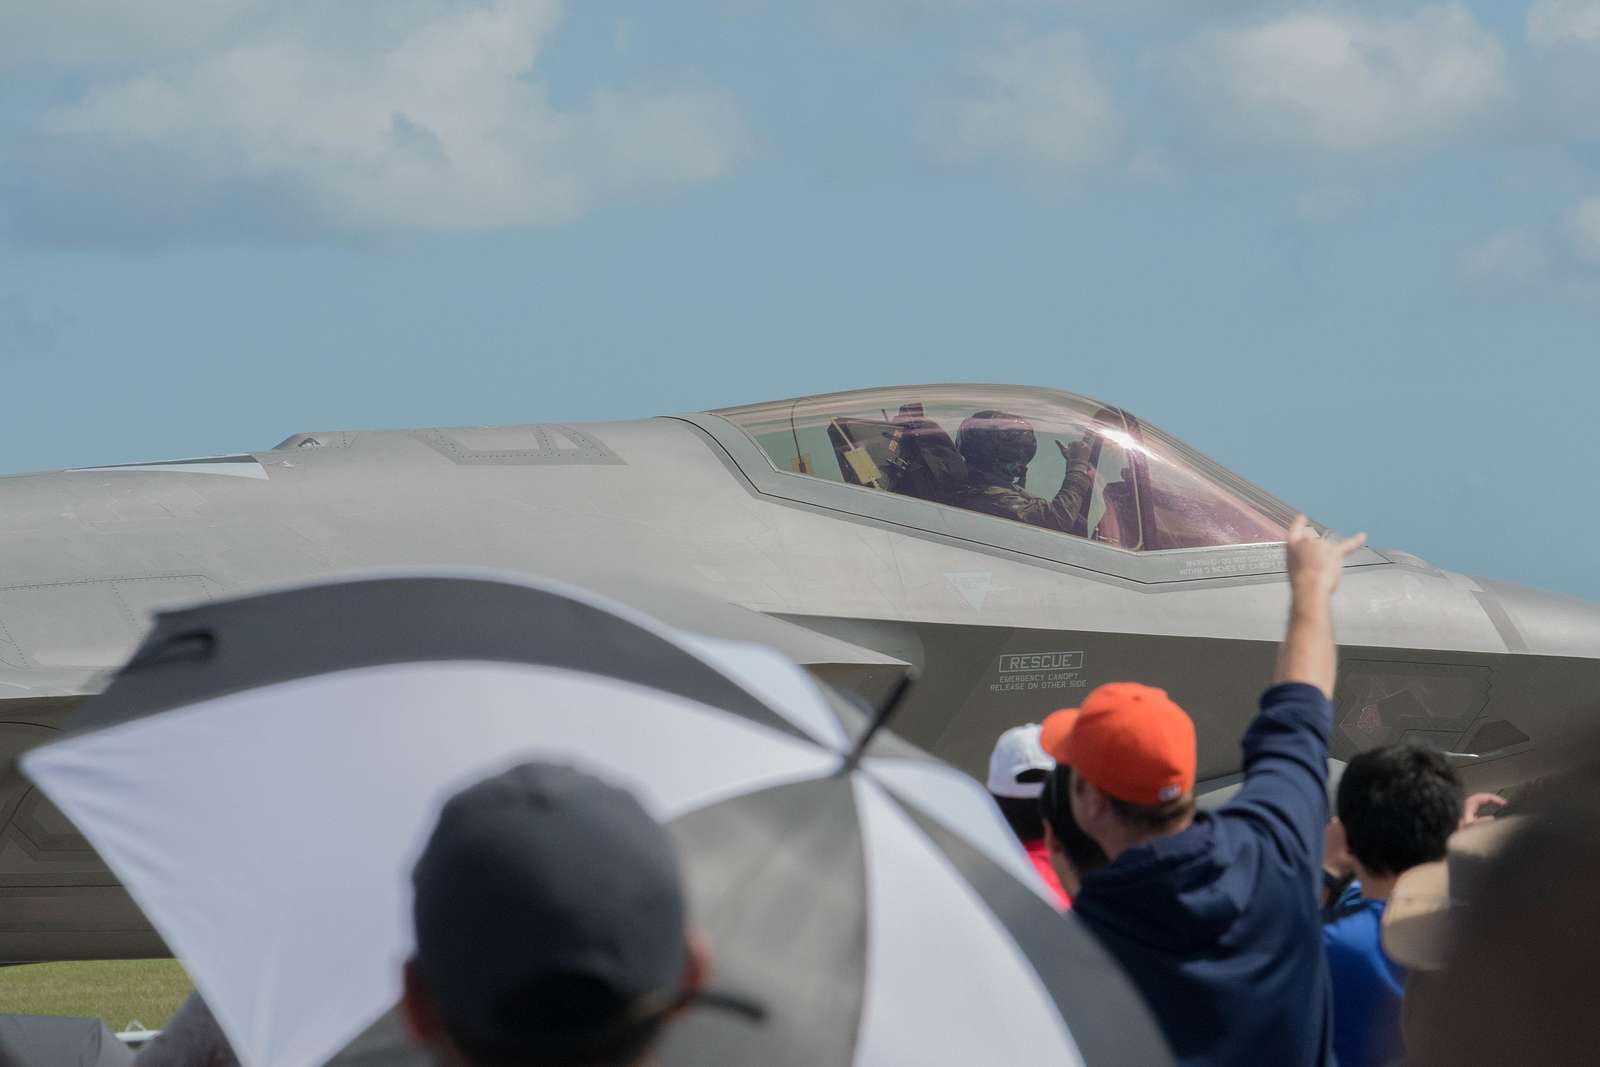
x: 880, y: 719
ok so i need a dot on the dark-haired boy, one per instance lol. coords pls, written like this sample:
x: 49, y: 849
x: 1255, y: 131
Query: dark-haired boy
x: 1397, y: 807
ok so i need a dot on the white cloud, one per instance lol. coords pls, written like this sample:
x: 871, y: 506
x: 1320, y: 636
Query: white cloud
x: 429, y: 117
x: 1513, y: 253
x: 1565, y: 37
x: 1339, y: 81
x: 1036, y: 99
x: 1564, y: 23
x: 1327, y: 203
x: 1584, y: 226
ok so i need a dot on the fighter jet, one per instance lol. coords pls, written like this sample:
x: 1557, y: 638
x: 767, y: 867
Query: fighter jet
x: 1013, y: 546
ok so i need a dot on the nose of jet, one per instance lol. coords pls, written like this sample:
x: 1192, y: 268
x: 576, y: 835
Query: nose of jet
x: 1543, y: 623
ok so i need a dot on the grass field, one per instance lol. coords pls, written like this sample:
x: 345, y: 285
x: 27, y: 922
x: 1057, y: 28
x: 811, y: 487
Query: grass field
x: 118, y: 991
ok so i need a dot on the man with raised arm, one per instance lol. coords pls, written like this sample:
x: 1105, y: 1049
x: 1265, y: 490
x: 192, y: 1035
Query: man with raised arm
x: 1214, y: 914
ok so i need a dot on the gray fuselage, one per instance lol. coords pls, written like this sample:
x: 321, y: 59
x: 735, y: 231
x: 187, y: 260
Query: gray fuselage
x: 998, y: 633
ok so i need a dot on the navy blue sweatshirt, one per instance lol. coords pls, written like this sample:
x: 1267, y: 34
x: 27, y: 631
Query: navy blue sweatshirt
x: 1218, y: 925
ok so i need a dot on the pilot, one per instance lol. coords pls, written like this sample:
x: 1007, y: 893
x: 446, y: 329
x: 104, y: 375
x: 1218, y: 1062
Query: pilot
x: 998, y: 447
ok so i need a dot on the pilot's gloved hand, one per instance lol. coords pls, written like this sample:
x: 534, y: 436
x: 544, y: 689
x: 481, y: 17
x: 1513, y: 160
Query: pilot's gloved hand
x: 1077, y: 456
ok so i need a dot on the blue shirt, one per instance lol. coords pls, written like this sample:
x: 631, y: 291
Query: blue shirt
x: 1367, y: 985
x: 1218, y: 926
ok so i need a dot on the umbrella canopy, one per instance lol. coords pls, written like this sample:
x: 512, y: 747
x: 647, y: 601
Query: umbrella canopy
x: 264, y: 772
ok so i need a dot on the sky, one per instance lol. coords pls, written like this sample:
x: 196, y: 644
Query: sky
x: 1349, y: 249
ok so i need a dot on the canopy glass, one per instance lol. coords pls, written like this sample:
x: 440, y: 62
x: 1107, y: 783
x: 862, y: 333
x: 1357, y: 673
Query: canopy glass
x: 1038, y: 456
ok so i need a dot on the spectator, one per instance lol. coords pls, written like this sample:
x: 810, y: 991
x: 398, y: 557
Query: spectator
x: 1073, y: 853
x: 550, y: 926
x: 1398, y: 806
x: 1017, y: 769
x: 1212, y: 914
x: 1340, y: 890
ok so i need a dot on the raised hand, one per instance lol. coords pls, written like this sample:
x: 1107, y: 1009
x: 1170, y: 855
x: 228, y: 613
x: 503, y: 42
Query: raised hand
x: 1308, y: 654
x: 1480, y: 806
x: 1315, y: 563
x: 1076, y: 454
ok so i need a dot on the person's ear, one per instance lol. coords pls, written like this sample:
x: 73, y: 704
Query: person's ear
x: 1087, y: 801
x: 697, y: 970
x: 1336, y: 857
x: 417, y: 1007
x: 1052, y: 844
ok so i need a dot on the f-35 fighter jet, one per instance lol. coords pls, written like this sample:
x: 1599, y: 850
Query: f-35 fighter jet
x: 1015, y: 546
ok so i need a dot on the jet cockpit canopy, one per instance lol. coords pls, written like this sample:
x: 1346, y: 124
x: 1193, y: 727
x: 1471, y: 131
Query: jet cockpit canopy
x: 1089, y: 471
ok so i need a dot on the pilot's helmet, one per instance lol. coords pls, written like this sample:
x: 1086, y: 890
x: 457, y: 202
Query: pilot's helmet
x: 998, y: 443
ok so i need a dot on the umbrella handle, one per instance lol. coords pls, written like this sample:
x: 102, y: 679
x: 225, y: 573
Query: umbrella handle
x: 880, y: 718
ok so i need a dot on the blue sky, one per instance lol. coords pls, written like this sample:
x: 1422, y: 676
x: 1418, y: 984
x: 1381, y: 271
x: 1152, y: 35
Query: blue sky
x: 1351, y: 250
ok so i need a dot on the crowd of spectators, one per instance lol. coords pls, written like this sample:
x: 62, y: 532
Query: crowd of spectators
x: 1296, y: 924
x: 1216, y: 914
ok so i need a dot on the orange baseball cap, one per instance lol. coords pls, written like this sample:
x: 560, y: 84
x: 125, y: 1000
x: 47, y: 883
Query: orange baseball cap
x: 1128, y: 740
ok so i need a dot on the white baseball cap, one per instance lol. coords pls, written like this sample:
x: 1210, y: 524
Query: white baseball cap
x: 1018, y: 764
